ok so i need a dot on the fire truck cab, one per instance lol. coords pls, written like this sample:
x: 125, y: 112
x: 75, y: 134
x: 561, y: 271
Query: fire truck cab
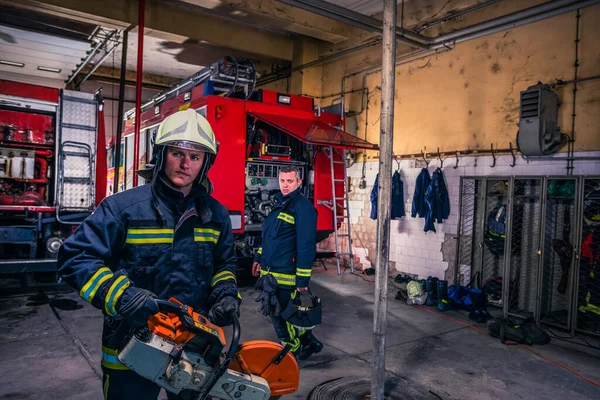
x: 258, y: 133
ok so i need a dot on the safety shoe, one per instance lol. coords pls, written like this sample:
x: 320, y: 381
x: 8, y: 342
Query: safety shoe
x: 312, y: 348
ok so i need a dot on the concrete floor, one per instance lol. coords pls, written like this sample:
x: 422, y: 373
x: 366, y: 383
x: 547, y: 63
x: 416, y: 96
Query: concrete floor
x: 44, y: 355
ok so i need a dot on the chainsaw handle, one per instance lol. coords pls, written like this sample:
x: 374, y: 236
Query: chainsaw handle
x: 170, y: 307
x: 235, y: 340
x: 233, y: 348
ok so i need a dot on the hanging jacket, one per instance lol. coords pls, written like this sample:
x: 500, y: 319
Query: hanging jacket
x: 397, y: 196
x: 173, y: 246
x: 289, y: 242
x: 397, y: 210
x: 374, y: 196
x: 419, y: 206
x: 438, y: 202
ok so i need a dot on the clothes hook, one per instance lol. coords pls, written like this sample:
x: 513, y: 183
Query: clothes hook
x: 512, y: 153
x: 398, y: 162
x: 440, y: 158
x: 424, y: 159
x: 493, y: 156
x: 456, y: 166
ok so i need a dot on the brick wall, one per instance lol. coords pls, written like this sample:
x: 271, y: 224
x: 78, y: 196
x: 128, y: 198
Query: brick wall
x: 423, y: 254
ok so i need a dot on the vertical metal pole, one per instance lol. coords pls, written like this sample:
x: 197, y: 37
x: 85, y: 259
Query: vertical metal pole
x: 386, y: 143
x: 458, y: 229
x: 510, y: 201
x: 138, y: 91
x: 120, y: 111
x: 541, y: 250
x: 577, y: 228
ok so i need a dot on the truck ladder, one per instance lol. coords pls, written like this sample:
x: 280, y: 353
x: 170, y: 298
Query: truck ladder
x: 341, y: 237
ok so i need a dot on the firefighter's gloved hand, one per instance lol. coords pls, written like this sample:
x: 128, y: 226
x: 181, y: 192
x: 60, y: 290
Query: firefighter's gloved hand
x: 136, y: 306
x: 220, y: 313
x: 267, y: 285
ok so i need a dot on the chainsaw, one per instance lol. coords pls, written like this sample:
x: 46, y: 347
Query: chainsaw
x: 183, y: 352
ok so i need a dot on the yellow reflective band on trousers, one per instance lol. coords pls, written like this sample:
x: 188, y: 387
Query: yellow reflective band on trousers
x: 105, y: 387
x: 206, y: 235
x: 110, y: 360
x: 222, y: 276
x: 149, y: 236
x: 294, y: 340
x: 287, y: 218
x: 282, y: 279
x: 114, y: 294
x: 88, y: 291
x: 303, y: 272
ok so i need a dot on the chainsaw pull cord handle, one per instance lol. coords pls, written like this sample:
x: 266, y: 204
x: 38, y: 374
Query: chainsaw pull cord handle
x: 233, y: 348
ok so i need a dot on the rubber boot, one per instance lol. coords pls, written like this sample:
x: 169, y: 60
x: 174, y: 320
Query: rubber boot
x: 310, y: 345
x: 431, y: 288
x: 442, y: 292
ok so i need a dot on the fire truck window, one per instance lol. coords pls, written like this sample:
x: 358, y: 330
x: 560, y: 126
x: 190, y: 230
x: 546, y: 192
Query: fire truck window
x: 129, y: 162
x: 142, y: 155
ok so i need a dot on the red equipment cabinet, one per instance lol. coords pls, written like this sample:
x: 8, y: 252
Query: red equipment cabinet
x: 48, y: 171
x: 258, y: 132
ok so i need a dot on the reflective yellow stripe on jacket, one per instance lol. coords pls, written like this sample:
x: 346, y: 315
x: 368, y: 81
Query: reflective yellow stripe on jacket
x: 110, y: 360
x: 88, y: 291
x: 287, y: 218
x: 206, y: 235
x: 282, y: 279
x: 303, y: 272
x: 149, y: 236
x: 114, y: 294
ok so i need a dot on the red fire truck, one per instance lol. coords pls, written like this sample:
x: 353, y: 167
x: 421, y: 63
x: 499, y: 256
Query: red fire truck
x: 52, y: 171
x: 258, y: 131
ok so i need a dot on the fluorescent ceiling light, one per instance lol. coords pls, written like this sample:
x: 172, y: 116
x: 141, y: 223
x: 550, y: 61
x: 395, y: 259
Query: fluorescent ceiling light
x: 12, y: 63
x: 48, y: 69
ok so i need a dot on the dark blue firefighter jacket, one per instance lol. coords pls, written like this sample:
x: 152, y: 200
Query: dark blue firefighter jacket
x: 438, y: 202
x: 419, y: 206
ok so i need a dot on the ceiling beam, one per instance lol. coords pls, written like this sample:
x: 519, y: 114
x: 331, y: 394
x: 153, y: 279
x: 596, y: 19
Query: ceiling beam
x: 148, y: 80
x: 291, y: 19
x: 165, y: 17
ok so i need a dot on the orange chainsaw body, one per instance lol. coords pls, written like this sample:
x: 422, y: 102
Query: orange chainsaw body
x: 258, y: 357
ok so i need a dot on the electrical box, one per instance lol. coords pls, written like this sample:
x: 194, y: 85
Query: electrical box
x: 539, y: 133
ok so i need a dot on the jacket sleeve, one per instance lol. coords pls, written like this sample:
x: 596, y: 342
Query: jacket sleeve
x: 84, y: 259
x: 430, y: 201
x: 258, y: 255
x: 416, y: 196
x: 306, y: 245
x: 374, y: 196
x: 223, y: 282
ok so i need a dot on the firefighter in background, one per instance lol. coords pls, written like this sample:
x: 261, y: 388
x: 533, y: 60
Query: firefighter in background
x: 287, y: 253
x: 169, y: 238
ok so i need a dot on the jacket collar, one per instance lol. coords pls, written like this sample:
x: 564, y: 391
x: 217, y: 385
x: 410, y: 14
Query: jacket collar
x: 193, y: 204
x: 282, y: 201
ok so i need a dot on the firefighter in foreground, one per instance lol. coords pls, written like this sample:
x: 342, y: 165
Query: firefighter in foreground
x: 169, y: 238
x: 287, y: 253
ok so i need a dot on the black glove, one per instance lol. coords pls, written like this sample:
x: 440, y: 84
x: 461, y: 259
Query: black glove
x: 267, y: 285
x: 136, y: 306
x: 220, y: 313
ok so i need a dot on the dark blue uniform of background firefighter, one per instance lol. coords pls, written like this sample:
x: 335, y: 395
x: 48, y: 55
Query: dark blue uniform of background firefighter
x: 287, y: 253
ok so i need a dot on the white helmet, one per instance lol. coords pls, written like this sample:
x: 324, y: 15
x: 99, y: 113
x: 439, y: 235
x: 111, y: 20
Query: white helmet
x: 186, y: 129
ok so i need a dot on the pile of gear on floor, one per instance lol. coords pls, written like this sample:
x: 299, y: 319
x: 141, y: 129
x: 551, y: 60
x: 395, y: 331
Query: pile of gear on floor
x: 434, y: 292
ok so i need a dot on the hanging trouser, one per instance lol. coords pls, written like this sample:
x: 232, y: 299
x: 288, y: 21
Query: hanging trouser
x: 287, y: 333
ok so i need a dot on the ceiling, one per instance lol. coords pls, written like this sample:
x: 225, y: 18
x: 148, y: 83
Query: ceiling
x: 51, y: 47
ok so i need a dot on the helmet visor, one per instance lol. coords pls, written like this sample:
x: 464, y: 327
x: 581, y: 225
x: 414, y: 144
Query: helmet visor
x: 186, y: 144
